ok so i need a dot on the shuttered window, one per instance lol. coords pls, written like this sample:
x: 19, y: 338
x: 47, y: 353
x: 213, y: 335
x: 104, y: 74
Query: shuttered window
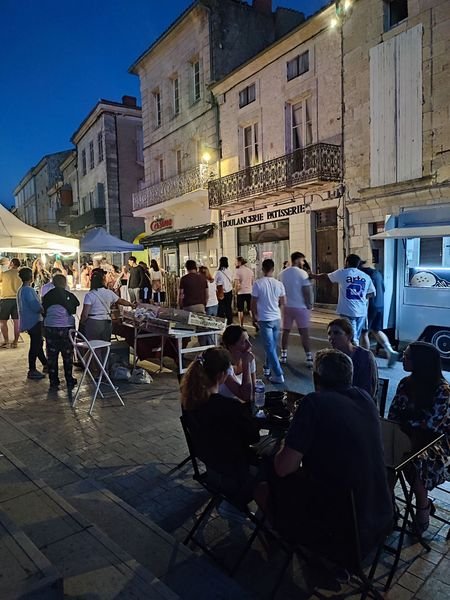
x: 396, y: 109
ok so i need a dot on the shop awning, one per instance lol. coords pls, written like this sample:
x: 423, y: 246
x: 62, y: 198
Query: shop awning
x: 424, y: 231
x: 176, y: 236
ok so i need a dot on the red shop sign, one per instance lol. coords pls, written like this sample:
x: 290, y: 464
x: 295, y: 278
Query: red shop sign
x: 160, y: 224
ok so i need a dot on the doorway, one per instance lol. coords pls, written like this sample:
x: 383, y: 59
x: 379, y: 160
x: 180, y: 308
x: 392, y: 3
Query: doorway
x: 267, y: 240
x: 326, y: 232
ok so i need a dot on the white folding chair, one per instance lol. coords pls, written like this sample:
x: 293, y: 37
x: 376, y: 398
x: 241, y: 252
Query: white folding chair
x: 85, y: 351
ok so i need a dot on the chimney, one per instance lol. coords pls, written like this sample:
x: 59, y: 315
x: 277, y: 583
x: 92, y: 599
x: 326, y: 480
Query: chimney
x: 263, y: 6
x: 129, y: 101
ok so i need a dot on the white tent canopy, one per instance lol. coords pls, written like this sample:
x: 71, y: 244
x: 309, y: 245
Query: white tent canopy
x: 423, y: 231
x: 17, y: 236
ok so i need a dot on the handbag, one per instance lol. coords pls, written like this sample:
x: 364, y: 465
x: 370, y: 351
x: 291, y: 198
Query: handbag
x: 220, y: 293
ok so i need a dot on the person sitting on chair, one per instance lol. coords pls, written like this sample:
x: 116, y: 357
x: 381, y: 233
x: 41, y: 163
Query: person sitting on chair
x: 333, y: 447
x: 422, y: 407
x: 365, y: 370
x: 221, y: 428
x: 241, y: 379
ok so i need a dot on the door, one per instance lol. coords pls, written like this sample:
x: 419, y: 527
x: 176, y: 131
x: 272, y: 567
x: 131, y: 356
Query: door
x: 326, y: 254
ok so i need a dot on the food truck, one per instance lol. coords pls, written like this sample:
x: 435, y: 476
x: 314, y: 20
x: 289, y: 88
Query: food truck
x: 417, y: 275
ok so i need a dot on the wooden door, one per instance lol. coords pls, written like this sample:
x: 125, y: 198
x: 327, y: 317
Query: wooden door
x: 326, y: 254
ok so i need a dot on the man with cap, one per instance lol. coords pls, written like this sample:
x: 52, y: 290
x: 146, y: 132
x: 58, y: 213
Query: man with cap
x: 355, y: 287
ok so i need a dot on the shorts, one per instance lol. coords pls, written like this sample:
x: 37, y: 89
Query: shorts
x: 301, y: 316
x: 242, y: 300
x: 374, y: 320
x: 8, y: 308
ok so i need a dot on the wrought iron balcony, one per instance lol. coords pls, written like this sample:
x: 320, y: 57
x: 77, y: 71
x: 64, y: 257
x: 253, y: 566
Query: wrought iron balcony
x: 95, y: 217
x: 189, y: 181
x: 318, y: 162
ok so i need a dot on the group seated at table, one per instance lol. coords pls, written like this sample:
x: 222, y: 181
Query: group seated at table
x: 365, y: 372
x: 332, y: 446
x: 422, y: 406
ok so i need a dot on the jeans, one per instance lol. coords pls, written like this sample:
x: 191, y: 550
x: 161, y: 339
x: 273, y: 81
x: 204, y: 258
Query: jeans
x: 210, y: 339
x: 225, y: 307
x: 36, y: 349
x: 357, y: 325
x: 58, y: 341
x: 270, y: 330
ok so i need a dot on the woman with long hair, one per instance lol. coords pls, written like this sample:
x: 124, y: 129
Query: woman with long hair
x: 40, y: 275
x: 224, y: 284
x: 240, y: 382
x: 222, y: 428
x: 422, y: 406
x: 157, y: 279
x: 365, y: 370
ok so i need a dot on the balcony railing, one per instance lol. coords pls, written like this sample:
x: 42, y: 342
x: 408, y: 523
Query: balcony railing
x: 318, y: 162
x: 94, y: 218
x: 189, y: 181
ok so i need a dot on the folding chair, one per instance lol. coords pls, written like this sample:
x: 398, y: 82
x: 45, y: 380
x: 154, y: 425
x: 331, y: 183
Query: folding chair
x: 352, y: 563
x: 85, y: 351
x: 217, y: 496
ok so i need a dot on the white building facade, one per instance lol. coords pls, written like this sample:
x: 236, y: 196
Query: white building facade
x: 280, y: 174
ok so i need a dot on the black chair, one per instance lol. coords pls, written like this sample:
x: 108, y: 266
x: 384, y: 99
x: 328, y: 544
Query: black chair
x: 351, y: 561
x: 216, y: 497
x: 381, y: 395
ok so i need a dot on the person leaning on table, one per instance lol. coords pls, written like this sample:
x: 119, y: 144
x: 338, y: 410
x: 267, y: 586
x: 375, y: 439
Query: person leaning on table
x: 95, y: 320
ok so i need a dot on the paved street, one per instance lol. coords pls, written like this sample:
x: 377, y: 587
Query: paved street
x: 124, y: 457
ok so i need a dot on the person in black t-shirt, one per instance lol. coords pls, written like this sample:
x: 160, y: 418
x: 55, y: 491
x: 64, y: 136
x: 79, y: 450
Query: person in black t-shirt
x: 136, y: 280
x: 333, y: 446
x: 221, y: 428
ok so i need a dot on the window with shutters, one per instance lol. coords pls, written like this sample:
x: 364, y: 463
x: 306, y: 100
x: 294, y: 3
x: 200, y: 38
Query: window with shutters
x: 196, y: 85
x: 298, y: 65
x: 250, y: 146
x: 91, y: 155
x: 396, y: 109
x: 83, y: 162
x: 161, y: 169
x: 157, y: 103
x: 247, y: 95
x: 176, y: 96
x: 301, y: 131
x: 100, y: 146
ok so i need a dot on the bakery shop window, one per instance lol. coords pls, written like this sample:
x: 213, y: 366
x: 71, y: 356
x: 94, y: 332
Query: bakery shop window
x: 428, y: 262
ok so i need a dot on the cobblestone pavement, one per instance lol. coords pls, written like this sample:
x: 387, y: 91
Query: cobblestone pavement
x: 134, y: 451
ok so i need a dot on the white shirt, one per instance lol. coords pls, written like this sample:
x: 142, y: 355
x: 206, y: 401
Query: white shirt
x: 224, y: 390
x: 354, y: 285
x: 245, y: 277
x: 100, y: 302
x: 268, y: 291
x: 225, y: 279
x: 294, y: 279
x: 212, y: 295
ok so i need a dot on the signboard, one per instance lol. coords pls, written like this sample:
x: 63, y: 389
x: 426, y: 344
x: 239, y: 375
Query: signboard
x: 268, y: 214
x: 160, y: 221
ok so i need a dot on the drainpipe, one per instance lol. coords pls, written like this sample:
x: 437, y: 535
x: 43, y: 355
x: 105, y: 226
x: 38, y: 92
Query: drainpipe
x: 118, y: 177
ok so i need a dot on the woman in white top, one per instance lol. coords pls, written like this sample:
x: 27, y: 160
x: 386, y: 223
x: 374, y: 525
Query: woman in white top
x: 224, y: 283
x: 212, y: 304
x: 157, y: 277
x: 95, y: 317
x: 240, y: 382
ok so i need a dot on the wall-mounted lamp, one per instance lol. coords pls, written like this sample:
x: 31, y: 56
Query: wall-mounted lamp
x: 206, y: 157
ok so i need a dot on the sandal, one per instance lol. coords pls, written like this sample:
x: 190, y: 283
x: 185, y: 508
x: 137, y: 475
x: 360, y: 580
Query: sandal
x: 4, y: 345
x: 423, y: 516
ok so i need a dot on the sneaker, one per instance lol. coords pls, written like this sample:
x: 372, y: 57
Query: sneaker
x: 283, y: 357
x: 266, y: 371
x: 35, y: 375
x: 393, y: 358
x: 276, y: 379
x: 309, y: 361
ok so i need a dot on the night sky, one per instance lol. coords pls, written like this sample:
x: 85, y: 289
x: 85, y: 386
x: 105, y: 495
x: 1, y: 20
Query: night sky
x: 60, y: 57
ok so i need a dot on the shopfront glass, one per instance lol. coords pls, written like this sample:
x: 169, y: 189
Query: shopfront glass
x: 428, y: 262
x: 266, y: 240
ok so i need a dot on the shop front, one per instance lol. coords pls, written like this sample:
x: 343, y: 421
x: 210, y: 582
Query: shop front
x: 417, y: 273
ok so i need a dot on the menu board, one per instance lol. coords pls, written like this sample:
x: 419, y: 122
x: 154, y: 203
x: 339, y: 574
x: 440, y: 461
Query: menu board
x: 429, y: 277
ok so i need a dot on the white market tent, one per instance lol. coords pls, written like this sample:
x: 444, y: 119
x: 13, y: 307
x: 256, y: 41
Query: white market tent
x: 17, y: 236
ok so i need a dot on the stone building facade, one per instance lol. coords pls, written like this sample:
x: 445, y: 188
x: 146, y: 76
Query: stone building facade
x: 396, y: 62
x: 34, y: 203
x: 280, y: 172
x: 109, y: 168
x: 180, y: 120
